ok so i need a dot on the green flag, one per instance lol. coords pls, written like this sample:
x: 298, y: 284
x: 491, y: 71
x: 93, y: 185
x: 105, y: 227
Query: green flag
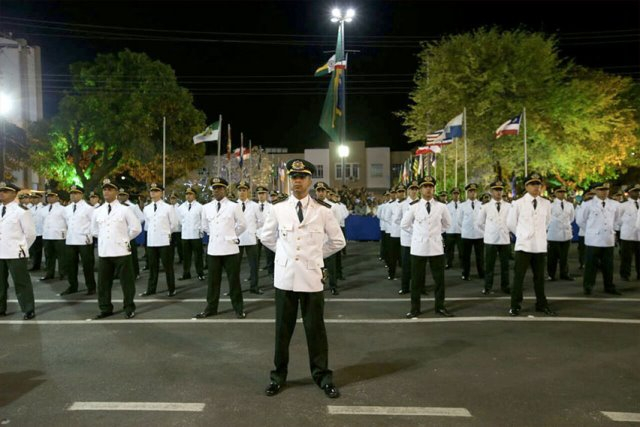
x: 332, y: 119
x: 211, y: 133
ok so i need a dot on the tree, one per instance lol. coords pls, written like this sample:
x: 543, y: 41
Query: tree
x: 111, y: 122
x: 581, y: 124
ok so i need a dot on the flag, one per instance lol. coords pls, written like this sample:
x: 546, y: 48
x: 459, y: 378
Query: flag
x: 211, y: 133
x: 420, y: 166
x: 246, y: 153
x: 332, y: 119
x: 229, y: 142
x: 453, y: 129
x: 510, y: 127
x: 435, y: 136
x: 429, y: 149
x: 326, y: 68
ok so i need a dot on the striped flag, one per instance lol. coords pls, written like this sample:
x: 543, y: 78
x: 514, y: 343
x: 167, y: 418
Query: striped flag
x: 429, y: 149
x: 510, y: 127
x: 435, y: 136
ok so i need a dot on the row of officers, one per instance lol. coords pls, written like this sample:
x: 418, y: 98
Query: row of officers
x: 417, y: 229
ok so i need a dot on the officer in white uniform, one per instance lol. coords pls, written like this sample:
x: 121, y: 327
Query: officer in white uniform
x: 190, y: 216
x: 405, y: 238
x: 559, y: 235
x: 94, y: 200
x: 331, y: 262
x: 264, y: 207
x: 159, y: 221
x: 17, y: 233
x: 452, y: 238
x: 302, y: 232
x: 492, y: 219
x: 115, y: 225
x: 248, y: 239
x: 79, y: 242
x: 176, y: 234
x: 343, y: 214
x: 426, y: 219
x: 35, y: 251
x: 472, y: 236
x: 54, y: 233
x: 123, y: 198
x: 629, y: 234
x: 599, y: 218
x: 394, y: 215
x: 528, y: 219
x: 581, y: 231
x: 223, y: 220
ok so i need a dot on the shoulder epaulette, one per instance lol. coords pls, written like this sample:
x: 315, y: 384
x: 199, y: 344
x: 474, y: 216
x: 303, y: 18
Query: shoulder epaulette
x: 23, y: 207
x: 323, y: 203
x: 126, y: 204
x: 279, y: 200
x: 232, y: 201
x: 414, y: 202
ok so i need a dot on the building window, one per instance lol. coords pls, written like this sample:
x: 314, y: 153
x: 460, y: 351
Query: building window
x: 319, y: 172
x: 351, y: 171
x: 396, y: 169
x: 355, y: 171
x: 338, y: 171
x: 376, y: 170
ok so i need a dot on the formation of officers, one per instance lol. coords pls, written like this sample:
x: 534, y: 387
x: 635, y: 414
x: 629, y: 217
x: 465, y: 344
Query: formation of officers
x: 418, y: 228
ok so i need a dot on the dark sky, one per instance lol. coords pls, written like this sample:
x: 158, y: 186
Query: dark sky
x: 253, y: 61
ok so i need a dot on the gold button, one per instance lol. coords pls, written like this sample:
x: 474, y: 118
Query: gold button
x: 296, y: 259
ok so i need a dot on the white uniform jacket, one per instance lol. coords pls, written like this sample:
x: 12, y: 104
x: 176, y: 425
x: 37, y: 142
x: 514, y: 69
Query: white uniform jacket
x: 388, y: 214
x: 114, y: 230
x: 248, y: 238
x: 530, y: 225
x: 560, y: 226
x: 159, y: 223
x: 599, y: 222
x: 264, y: 210
x: 579, y: 209
x: 79, y: 223
x: 344, y: 213
x: 38, y: 218
x: 17, y: 231
x: 454, y: 212
x: 223, y: 226
x: 380, y: 215
x: 300, y: 247
x: 467, y: 219
x: 627, y: 219
x: 494, y: 223
x: 54, y: 226
x: 191, y: 219
x: 395, y: 216
x: 426, y: 228
x: 405, y: 235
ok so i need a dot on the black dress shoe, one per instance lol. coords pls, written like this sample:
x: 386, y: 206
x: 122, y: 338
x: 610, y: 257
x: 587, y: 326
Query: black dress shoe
x: 46, y: 278
x: 424, y: 292
x: 334, y: 291
x: 444, y: 312
x: 514, y: 312
x: 412, y: 315
x: 272, y: 389
x: 2, y: 314
x: 184, y: 278
x: 130, y: 314
x: 67, y: 292
x: 203, y: 315
x: 29, y: 315
x: 90, y: 292
x: 146, y: 294
x: 103, y: 315
x: 547, y: 311
x: 201, y: 278
x: 567, y: 278
x: 587, y: 291
x: 487, y: 292
x: 241, y: 315
x: 551, y: 279
x: 331, y: 391
x: 256, y: 291
x: 171, y: 293
x: 613, y: 292
x: 506, y: 291
x: 401, y: 292
x: 466, y: 278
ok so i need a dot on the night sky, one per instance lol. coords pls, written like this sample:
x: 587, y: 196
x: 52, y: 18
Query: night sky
x: 253, y: 61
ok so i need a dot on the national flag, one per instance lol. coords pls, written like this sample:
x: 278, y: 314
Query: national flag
x: 246, y: 153
x: 435, y: 136
x: 420, y: 166
x: 332, y: 119
x: 453, y: 129
x: 510, y: 127
x: 211, y: 133
x: 435, y: 148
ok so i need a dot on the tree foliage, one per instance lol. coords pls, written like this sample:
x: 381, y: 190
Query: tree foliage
x: 111, y: 122
x: 582, y: 125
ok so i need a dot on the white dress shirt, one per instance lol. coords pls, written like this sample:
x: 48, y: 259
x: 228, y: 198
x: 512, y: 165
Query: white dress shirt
x: 494, y: 223
x: 190, y: 215
x: 562, y: 215
x: 224, y: 226
x: 426, y: 227
x: 251, y: 217
x: 301, y: 247
x: 114, y: 229
x: 530, y: 225
x: 79, y: 223
x: 17, y: 231
x: 454, y: 212
x: 54, y: 226
x: 599, y: 222
x: 627, y: 220
x: 467, y: 219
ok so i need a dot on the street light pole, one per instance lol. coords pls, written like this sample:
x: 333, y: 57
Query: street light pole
x: 5, y: 108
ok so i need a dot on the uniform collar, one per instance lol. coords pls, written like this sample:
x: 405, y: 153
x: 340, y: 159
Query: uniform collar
x: 305, y: 200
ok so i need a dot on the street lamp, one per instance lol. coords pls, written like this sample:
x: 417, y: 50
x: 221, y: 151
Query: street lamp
x: 343, y: 151
x: 6, y: 104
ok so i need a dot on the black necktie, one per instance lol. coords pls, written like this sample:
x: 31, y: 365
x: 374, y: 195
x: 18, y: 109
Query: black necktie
x: 562, y: 205
x: 189, y: 207
x: 155, y: 207
x: 300, y: 216
x: 50, y: 206
x: 603, y: 204
x: 262, y: 206
x: 456, y: 204
x: 243, y: 207
x: 109, y: 210
x: 4, y: 210
x: 473, y: 206
x: 498, y: 206
x: 636, y: 204
x: 535, y: 204
x: 218, y: 206
x: 74, y: 208
x: 428, y: 207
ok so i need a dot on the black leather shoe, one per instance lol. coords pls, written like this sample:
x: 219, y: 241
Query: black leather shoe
x: 2, y: 314
x: 444, y: 312
x: 587, y: 291
x: 184, y: 278
x: 506, y: 291
x: 201, y: 278
x: 46, y: 278
x: 401, y: 292
x: 67, y: 292
x: 256, y: 291
x: 171, y: 293
x: 90, y: 292
x: 272, y: 389
x: 466, y: 278
x: 29, y: 315
x: 203, y: 315
x: 567, y: 278
x: 103, y: 315
x: 412, y: 315
x: 146, y: 294
x: 551, y: 279
x: 513, y: 312
x: 613, y: 292
x: 130, y: 314
x: 487, y: 292
x: 334, y: 291
x: 241, y: 315
x: 547, y: 311
x: 331, y: 391
x: 424, y: 292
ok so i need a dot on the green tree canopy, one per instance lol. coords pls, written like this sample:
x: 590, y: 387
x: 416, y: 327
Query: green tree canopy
x: 111, y: 122
x: 582, y: 125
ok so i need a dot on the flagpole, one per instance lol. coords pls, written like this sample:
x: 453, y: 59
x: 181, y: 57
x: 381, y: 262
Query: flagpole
x: 464, y: 120
x: 455, y: 168
x: 444, y: 171
x: 524, y: 118
x: 229, y: 152
x: 241, y: 160
x: 250, y: 163
x: 164, y: 151
x: 219, y: 138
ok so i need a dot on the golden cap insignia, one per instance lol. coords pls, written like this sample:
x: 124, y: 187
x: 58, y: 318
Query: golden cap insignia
x: 297, y: 165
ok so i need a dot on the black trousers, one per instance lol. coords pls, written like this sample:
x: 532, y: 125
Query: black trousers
x: 385, y: 247
x: 393, y: 255
x: 629, y: 249
x: 85, y: 253
x: 312, y: 308
x: 269, y: 255
x: 418, y: 276
x: 155, y: 254
x: 192, y: 247
x: 490, y: 253
x: 35, y: 253
x: 231, y: 265
x: 107, y: 267
x: 54, y: 250
x: 332, y: 270
x: 134, y: 257
x: 581, y: 250
x: 176, y: 240
x: 382, y: 248
x: 405, y: 257
x: 593, y: 257
x: 478, y: 247
x: 18, y: 268
x: 558, y: 252
x: 522, y: 262
x: 252, y: 260
x: 451, y: 241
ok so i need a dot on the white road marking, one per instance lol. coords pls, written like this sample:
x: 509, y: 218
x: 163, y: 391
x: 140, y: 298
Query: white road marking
x: 136, y: 406
x: 142, y: 321
x: 411, y: 411
x: 629, y: 417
